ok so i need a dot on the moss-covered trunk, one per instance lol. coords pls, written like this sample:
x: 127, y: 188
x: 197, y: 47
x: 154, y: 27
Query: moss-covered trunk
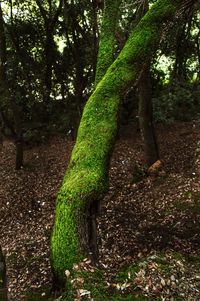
x: 107, y: 38
x: 86, y: 179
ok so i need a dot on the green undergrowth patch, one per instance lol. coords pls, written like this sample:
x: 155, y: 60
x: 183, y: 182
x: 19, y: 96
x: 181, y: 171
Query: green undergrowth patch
x: 138, y: 173
x: 89, y: 283
x: 190, y: 202
x: 40, y: 295
x: 152, y: 278
x: 193, y: 259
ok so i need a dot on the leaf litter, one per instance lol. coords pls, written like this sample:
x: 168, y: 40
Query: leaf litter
x: 153, y: 222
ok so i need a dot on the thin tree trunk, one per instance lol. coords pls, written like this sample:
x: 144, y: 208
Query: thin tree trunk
x: 3, y: 56
x: 49, y: 54
x: 3, y: 286
x: 95, y: 33
x: 107, y: 38
x: 19, y: 143
x: 145, y: 107
x: 146, y: 117
x: 50, y: 21
x: 17, y: 132
x: 86, y: 179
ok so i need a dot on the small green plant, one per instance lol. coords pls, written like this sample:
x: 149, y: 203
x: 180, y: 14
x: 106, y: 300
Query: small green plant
x: 138, y: 173
x: 38, y: 296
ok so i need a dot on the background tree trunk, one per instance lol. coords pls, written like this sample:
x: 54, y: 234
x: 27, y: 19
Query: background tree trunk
x: 146, y: 117
x: 86, y: 179
x: 107, y: 38
x: 3, y: 288
x: 145, y: 107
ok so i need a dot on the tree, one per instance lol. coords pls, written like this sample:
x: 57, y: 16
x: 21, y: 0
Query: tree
x: 145, y: 108
x: 50, y: 18
x: 145, y: 113
x: 3, y: 288
x: 16, y: 129
x: 86, y: 179
x: 107, y: 39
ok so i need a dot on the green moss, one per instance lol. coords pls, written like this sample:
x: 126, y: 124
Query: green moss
x: 193, y: 205
x: 138, y: 174
x: 107, y: 38
x: 43, y: 295
x: 126, y: 272
x: 96, y: 283
x: 86, y: 179
x: 193, y: 259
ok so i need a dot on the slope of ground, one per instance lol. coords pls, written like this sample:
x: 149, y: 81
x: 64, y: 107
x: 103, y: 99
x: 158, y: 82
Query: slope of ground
x: 147, y: 222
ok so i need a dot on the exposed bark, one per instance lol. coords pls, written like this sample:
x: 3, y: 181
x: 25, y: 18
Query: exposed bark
x: 3, y: 286
x: 16, y: 130
x: 2, y: 68
x: 3, y: 60
x: 3, y: 56
x: 145, y: 108
x: 107, y: 38
x: 19, y: 142
x: 146, y: 117
x: 86, y: 179
x: 76, y: 48
x: 95, y: 31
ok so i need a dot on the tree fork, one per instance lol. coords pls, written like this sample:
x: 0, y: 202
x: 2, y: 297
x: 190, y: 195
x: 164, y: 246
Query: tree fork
x: 86, y: 179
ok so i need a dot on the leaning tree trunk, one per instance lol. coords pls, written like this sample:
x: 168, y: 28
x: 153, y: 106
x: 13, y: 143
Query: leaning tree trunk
x: 86, y: 179
x: 146, y: 117
x: 104, y: 60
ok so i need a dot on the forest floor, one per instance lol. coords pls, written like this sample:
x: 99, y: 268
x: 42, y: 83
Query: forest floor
x: 149, y: 228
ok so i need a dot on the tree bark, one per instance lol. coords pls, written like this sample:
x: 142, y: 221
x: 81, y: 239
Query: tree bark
x: 3, y: 56
x: 50, y: 21
x: 107, y: 38
x: 19, y: 141
x: 3, y: 287
x: 17, y: 129
x: 146, y: 118
x: 145, y: 107
x: 95, y: 32
x: 86, y: 179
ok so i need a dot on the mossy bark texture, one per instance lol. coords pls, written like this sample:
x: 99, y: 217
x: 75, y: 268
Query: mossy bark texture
x: 86, y: 179
x: 107, y: 39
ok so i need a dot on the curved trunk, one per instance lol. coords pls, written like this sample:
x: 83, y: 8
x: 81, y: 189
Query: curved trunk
x: 86, y: 179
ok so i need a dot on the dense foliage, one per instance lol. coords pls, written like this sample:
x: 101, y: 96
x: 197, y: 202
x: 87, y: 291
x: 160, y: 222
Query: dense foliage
x: 51, y: 51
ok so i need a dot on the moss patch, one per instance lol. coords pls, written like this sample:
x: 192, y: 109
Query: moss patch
x: 43, y: 295
x: 190, y: 202
x: 96, y: 284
